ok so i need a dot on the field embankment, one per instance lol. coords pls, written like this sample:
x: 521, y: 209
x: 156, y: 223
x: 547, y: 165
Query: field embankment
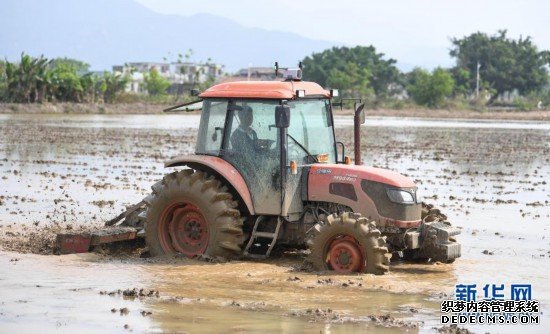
x: 154, y: 108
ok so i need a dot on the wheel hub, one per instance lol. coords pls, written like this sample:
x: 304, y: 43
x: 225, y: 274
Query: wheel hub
x: 193, y: 230
x: 184, y: 229
x: 345, y: 256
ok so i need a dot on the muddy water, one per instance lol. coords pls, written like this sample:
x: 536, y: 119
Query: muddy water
x: 68, y: 171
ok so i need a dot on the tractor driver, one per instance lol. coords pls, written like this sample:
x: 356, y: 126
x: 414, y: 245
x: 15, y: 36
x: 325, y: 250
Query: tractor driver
x: 244, y: 138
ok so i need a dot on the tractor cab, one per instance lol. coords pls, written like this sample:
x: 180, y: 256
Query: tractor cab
x: 268, y: 131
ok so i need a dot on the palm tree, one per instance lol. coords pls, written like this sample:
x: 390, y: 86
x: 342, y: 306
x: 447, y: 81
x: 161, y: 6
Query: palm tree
x: 27, y: 81
x: 113, y: 84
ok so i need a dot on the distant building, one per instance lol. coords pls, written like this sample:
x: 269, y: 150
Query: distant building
x: 182, y: 76
x: 257, y: 73
x: 196, y: 72
x: 251, y: 74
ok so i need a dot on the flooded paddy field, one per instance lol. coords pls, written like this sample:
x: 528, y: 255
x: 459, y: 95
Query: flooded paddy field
x: 60, y: 172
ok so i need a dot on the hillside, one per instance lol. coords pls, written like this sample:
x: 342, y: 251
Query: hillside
x: 108, y: 32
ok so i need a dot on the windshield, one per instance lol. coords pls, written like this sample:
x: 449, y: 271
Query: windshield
x: 310, y: 131
x: 311, y: 127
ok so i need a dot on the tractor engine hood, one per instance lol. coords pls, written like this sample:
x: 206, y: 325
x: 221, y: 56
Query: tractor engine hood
x: 379, y: 194
x: 353, y: 173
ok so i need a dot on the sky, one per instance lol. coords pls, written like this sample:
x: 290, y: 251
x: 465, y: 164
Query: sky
x: 412, y: 31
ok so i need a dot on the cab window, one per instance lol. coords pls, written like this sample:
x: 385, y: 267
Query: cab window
x: 311, y: 127
x: 211, y: 127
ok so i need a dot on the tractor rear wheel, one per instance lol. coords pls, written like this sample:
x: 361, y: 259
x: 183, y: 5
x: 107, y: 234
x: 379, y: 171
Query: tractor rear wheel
x: 348, y: 243
x: 193, y: 214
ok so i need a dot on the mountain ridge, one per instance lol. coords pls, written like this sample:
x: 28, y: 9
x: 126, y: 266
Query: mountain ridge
x: 110, y: 32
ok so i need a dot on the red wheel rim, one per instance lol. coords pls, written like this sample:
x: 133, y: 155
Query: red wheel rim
x: 345, y: 256
x: 183, y: 229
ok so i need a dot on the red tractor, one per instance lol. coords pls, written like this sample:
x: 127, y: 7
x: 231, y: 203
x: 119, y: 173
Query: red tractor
x: 268, y: 170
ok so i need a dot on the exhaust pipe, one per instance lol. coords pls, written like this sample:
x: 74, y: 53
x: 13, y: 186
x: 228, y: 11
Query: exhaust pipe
x: 358, y: 119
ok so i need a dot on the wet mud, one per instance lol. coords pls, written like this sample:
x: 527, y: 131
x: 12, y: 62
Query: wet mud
x: 73, y: 173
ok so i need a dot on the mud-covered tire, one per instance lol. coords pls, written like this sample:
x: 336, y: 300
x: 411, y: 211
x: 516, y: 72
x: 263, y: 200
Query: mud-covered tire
x: 372, y: 244
x: 212, y: 205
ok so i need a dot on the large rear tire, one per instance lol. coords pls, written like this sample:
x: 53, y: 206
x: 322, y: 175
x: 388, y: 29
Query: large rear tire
x: 348, y: 243
x: 193, y: 214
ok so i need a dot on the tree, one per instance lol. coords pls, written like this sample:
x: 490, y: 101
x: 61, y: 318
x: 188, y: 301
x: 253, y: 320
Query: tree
x: 3, y: 80
x: 462, y: 79
x: 26, y: 81
x: 91, y: 87
x: 430, y: 89
x: 380, y: 73
x: 189, y: 54
x: 112, y: 84
x: 35, y: 80
x: 155, y: 84
x: 207, y: 83
x: 352, y: 80
x: 64, y: 82
x: 506, y: 64
x: 79, y: 66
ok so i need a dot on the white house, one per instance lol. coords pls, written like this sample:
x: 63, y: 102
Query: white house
x: 181, y: 75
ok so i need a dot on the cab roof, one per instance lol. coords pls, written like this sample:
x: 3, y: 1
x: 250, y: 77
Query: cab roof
x: 264, y: 90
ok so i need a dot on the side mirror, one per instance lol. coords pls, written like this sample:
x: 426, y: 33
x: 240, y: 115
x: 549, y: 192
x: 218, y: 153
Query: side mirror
x: 282, y: 116
x: 359, y: 112
x: 215, y: 134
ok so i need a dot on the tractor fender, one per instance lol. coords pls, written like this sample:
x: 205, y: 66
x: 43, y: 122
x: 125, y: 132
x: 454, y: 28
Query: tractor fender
x: 222, y: 169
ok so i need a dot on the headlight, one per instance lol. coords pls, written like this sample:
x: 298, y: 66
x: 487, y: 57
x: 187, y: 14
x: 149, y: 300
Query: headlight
x: 400, y: 196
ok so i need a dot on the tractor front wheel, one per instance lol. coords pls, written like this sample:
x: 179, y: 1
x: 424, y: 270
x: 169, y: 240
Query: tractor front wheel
x: 348, y: 243
x: 193, y: 214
